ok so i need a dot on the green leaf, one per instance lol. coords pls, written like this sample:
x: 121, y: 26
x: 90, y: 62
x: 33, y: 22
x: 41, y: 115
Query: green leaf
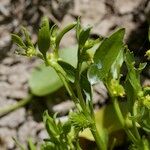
x: 16, y: 39
x: 106, y: 119
x: 84, y: 35
x: 17, y: 143
x: 106, y: 54
x: 44, y: 36
x: 69, y: 69
x: 78, y: 28
x: 31, y: 145
x: 116, y: 66
x: 79, y: 121
x: 69, y: 55
x: 131, y: 95
x: 44, y: 80
x: 28, y: 41
x: 93, y: 74
x: 63, y: 32
x: 133, y: 74
x: 85, y: 85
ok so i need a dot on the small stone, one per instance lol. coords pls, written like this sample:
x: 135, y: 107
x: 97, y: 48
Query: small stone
x: 43, y: 134
x: 4, y: 69
x: 4, y: 89
x: 63, y: 107
x: 105, y: 25
x: 146, y: 83
x: 126, y: 6
x: 91, y: 15
x: 16, y: 93
x: 28, y: 130
x: 8, y: 61
x: 13, y: 119
x: 6, y: 141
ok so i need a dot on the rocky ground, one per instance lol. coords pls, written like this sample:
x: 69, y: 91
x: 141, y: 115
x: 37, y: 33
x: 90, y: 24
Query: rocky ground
x: 103, y: 15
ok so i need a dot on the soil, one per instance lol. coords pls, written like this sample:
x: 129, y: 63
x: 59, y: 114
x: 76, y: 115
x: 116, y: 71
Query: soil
x: 104, y: 15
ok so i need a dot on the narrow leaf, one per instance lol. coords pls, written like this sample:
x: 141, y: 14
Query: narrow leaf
x: 85, y: 85
x: 16, y: 39
x: 133, y: 74
x: 69, y: 69
x: 62, y: 33
x: 84, y: 36
x: 116, y: 66
x: 31, y: 145
x: 27, y: 37
x: 44, y: 36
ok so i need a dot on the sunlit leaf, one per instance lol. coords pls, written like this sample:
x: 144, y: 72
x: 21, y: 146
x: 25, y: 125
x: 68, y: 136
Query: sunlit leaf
x: 115, y: 68
x: 106, y: 54
x: 44, y: 80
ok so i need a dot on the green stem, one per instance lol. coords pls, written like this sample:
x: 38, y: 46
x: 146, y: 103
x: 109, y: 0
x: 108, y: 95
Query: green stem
x: 98, y: 139
x: 136, y: 132
x: 65, y: 81
x: 13, y: 107
x: 78, y: 88
x: 62, y: 75
x: 122, y: 121
x: 68, y: 88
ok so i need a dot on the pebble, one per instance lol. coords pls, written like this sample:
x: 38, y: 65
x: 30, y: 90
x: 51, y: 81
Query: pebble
x: 13, y: 119
x: 28, y: 130
x: 6, y: 141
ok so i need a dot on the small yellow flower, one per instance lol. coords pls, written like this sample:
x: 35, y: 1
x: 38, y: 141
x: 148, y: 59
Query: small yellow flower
x: 148, y: 54
x: 116, y: 88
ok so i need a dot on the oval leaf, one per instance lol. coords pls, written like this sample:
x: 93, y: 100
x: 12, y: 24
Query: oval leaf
x: 45, y: 80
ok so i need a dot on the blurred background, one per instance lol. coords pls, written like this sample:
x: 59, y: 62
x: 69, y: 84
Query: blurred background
x: 104, y: 15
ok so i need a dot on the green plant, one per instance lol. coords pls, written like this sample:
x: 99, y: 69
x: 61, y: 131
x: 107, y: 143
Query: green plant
x: 103, y: 64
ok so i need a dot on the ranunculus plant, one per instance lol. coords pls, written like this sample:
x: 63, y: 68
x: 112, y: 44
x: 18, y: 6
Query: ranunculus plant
x: 131, y: 101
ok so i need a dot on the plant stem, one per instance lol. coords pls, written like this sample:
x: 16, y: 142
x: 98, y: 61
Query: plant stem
x: 13, y: 107
x: 78, y: 88
x: 62, y: 75
x: 98, y: 139
x: 136, y: 132
x: 100, y: 143
x: 68, y: 88
x: 122, y: 121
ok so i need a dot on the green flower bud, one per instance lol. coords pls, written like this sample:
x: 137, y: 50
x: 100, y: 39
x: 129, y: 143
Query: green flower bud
x: 116, y: 89
x: 146, y: 101
x: 148, y: 54
x: 30, y: 52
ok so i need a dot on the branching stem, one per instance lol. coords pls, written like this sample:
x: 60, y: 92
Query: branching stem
x: 13, y: 107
